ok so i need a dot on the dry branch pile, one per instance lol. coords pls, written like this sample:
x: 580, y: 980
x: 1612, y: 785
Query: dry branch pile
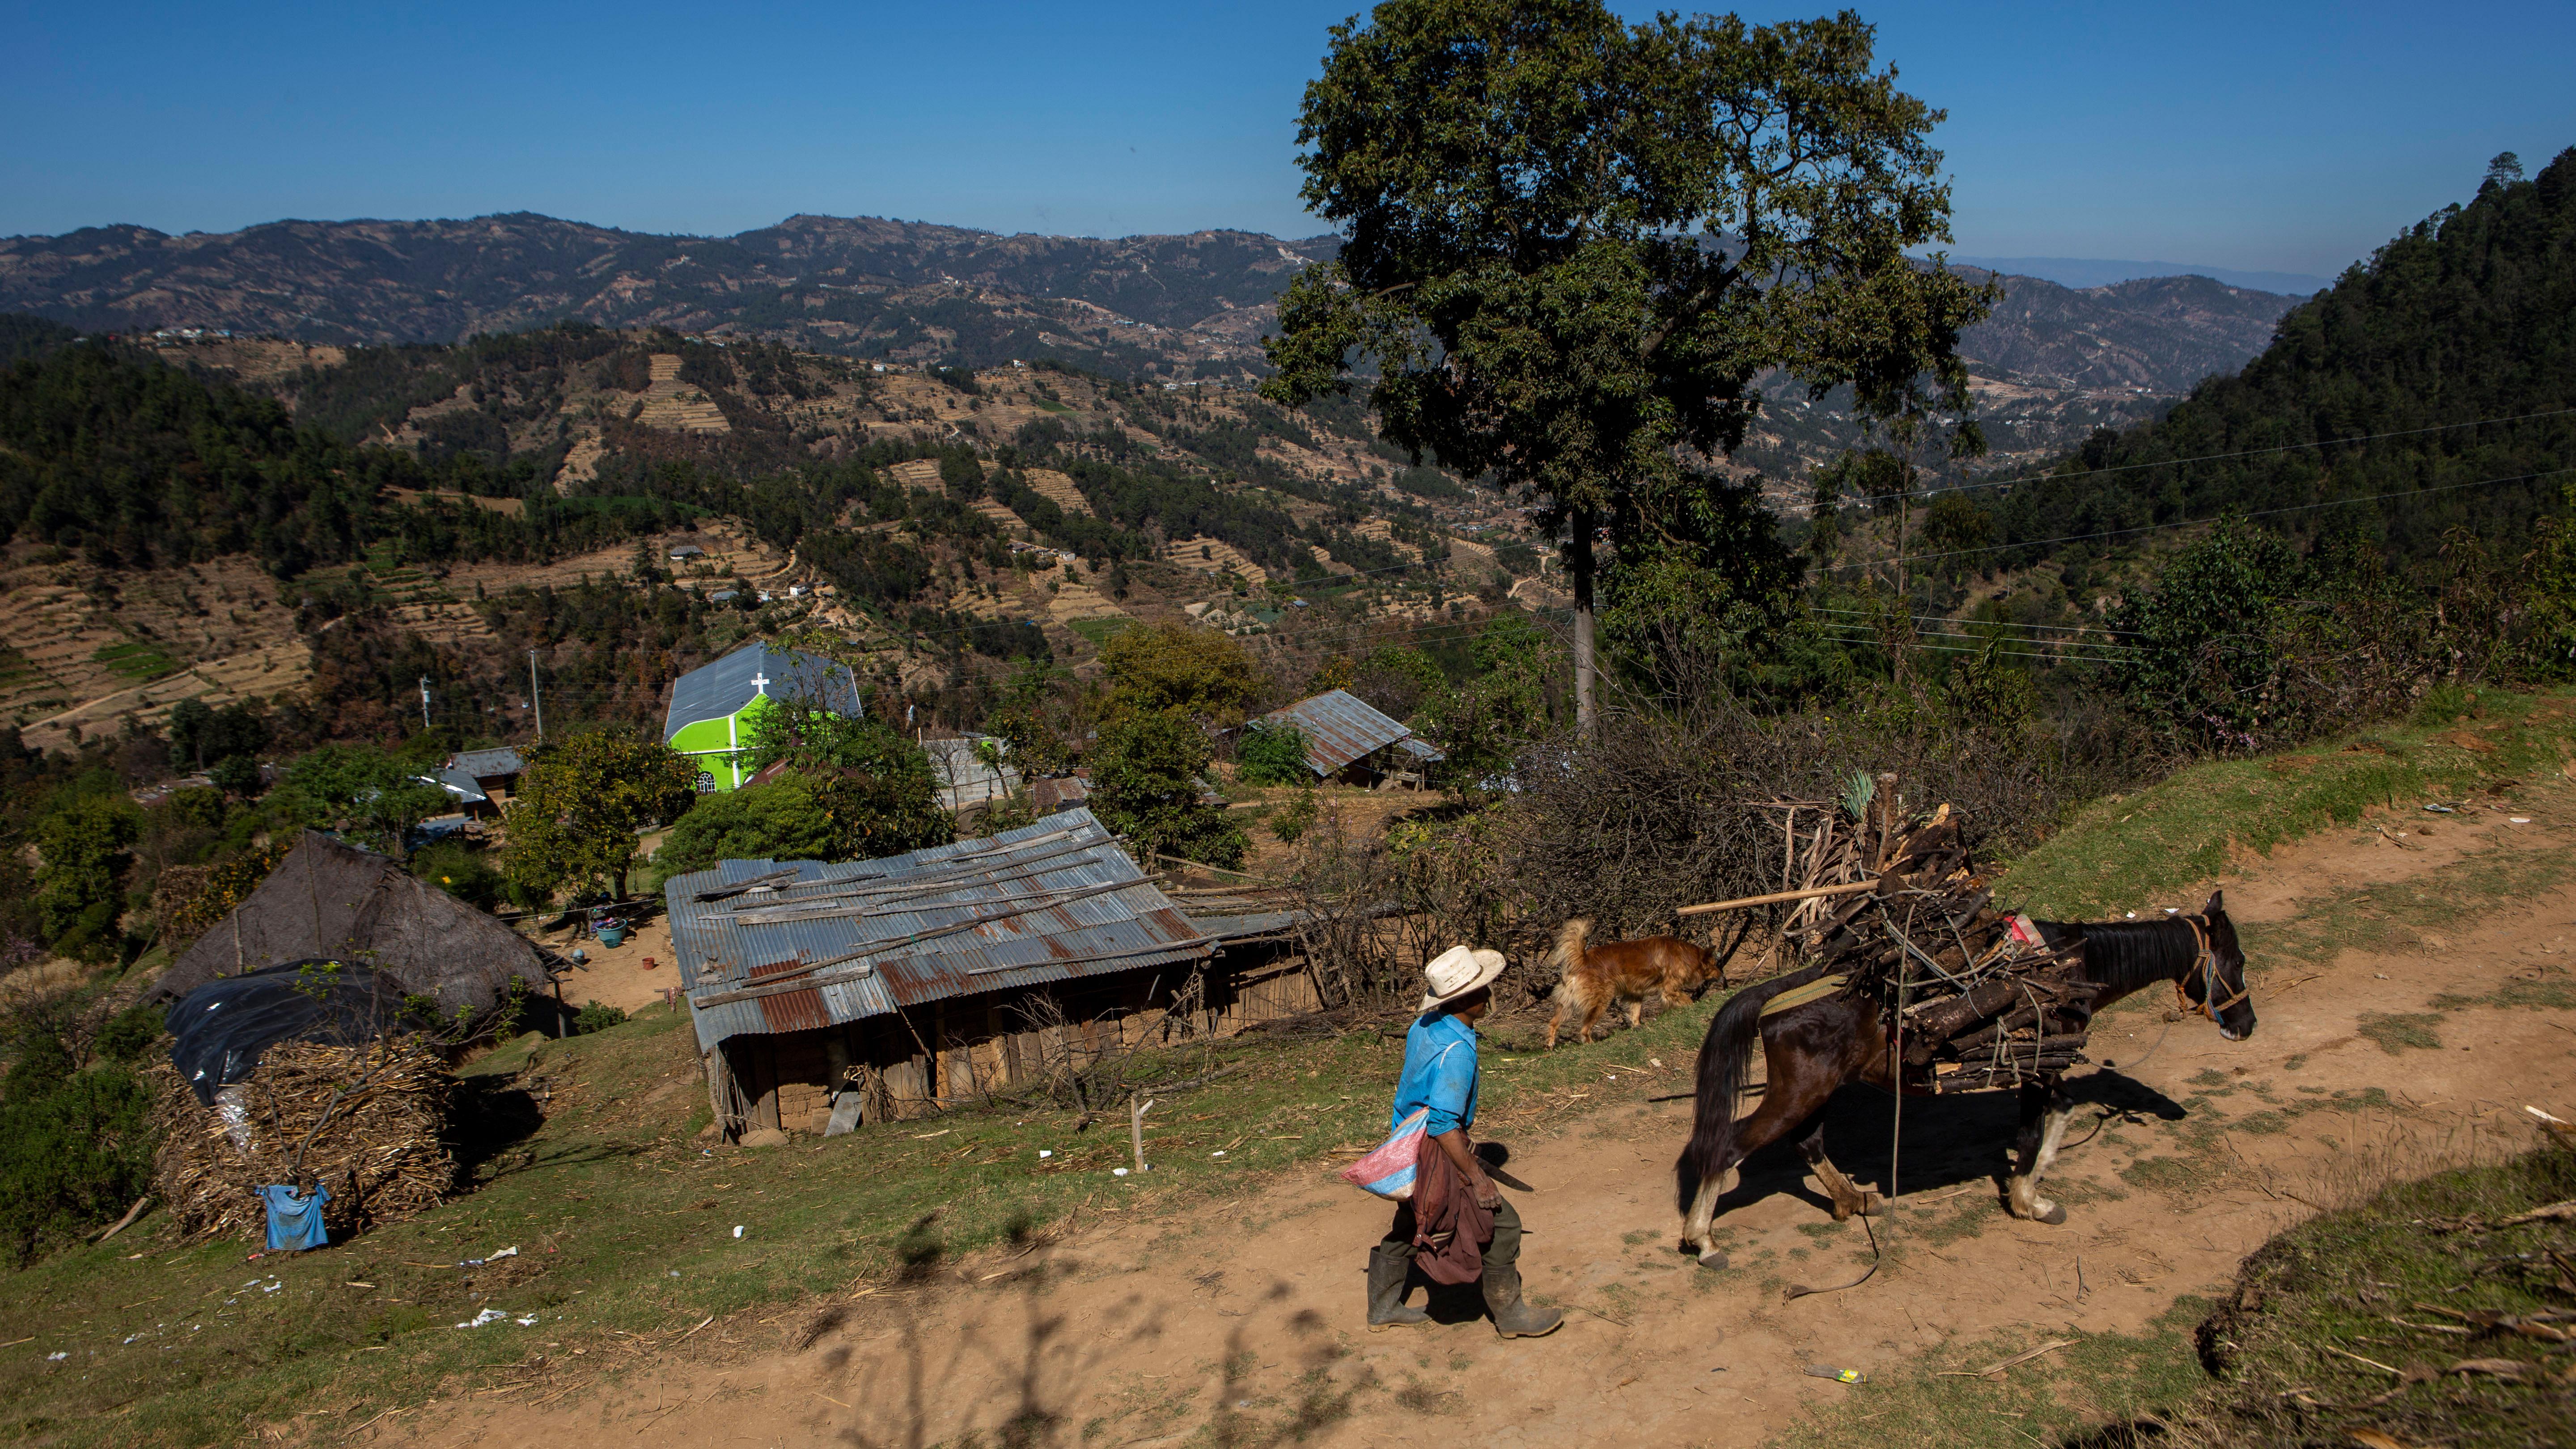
x: 382, y: 1152
x: 1984, y: 1005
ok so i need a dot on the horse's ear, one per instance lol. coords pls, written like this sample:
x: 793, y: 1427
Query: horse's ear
x: 2217, y: 903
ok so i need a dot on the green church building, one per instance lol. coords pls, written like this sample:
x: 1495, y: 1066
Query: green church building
x: 712, y: 706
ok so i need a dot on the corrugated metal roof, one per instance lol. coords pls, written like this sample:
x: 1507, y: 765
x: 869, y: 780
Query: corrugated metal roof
x: 488, y: 764
x: 1059, y: 793
x: 1053, y: 901
x: 712, y: 691
x: 1341, y: 727
x: 466, y: 789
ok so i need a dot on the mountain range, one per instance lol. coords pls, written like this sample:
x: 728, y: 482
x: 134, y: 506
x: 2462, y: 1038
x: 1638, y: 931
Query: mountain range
x: 2099, y: 272
x: 1192, y: 305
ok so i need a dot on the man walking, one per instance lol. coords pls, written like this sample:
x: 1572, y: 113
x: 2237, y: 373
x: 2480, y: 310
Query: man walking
x: 1440, y: 1074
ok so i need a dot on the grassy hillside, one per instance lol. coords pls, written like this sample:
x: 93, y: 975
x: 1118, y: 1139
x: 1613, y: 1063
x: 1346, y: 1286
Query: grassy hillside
x: 625, y: 1227
x: 2144, y: 852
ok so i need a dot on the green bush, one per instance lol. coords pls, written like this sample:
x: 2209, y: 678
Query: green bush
x: 778, y: 821
x: 131, y: 1032
x: 462, y: 872
x: 82, y: 845
x: 75, y: 1146
x: 1273, y: 754
x: 1295, y: 818
x: 2444, y: 704
x: 1145, y: 785
x: 595, y: 1017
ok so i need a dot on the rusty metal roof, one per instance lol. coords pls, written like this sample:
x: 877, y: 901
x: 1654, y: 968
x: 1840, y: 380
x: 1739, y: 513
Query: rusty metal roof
x: 795, y: 945
x: 1341, y: 727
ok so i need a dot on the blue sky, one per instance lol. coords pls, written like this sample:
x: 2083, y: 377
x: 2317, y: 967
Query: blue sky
x: 2291, y: 137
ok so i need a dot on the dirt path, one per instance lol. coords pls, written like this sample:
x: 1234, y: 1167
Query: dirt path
x: 1147, y: 1329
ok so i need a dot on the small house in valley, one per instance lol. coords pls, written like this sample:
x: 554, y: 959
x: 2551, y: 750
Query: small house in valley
x: 712, y: 706
x: 479, y: 781
x: 1351, y: 741
x: 827, y: 996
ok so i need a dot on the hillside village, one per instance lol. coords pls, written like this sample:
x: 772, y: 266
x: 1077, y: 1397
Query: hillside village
x: 842, y: 832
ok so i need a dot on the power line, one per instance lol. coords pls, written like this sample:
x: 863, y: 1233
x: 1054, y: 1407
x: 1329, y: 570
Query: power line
x: 2025, y: 640
x: 1989, y: 623
x: 1998, y: 653
x: 2196, y: 522
x: 2029, y: 643
x: 2248, y: 453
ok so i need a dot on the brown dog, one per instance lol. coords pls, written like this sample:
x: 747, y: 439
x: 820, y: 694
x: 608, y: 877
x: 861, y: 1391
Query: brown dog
x: 1623, y: 971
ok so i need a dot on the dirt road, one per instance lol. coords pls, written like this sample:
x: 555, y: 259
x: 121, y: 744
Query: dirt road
x: 1148, y: 1329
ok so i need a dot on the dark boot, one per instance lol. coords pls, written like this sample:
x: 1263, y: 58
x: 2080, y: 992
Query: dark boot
x: 1386, y: 1309
x: 1512, y: 1317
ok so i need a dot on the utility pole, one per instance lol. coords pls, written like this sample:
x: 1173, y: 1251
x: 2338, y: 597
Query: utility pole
x: 538, y: 699
x: 424, y: 701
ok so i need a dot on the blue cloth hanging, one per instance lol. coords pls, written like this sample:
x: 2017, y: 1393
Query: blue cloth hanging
x: 294, y: 1220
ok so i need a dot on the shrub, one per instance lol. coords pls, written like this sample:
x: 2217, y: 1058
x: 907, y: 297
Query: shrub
x: 595, y: 1017
x: 462, y: 872
x: 82, y: 845
x: 1272, y: 755
x: 1198, y: 672
x: 1295, y: 818
x: 131, y: 1032
x: 1145, y: 785
x: 75, y: 1145
x: 778, y: 821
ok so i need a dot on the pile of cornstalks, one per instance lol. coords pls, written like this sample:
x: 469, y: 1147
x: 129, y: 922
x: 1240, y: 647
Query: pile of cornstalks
x: 380, y: 1149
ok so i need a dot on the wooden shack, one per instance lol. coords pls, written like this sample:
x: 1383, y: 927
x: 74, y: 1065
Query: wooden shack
x: 832, y: 995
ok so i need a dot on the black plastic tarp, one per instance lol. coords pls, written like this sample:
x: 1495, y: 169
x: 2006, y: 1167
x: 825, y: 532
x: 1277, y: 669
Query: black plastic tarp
x: 224, y: 1025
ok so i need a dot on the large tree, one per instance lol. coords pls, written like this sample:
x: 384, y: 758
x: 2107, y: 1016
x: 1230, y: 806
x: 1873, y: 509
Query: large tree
x: 1573, y: 247
x: 582, y: 803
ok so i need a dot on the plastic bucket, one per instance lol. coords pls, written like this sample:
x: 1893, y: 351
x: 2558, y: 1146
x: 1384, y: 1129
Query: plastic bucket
x: 612, y: 936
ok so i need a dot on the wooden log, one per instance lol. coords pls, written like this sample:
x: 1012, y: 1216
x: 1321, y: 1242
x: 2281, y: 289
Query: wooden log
x: 1946, y: 1018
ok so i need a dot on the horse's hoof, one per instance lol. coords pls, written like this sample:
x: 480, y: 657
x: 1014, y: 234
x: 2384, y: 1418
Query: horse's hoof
x: 2054, y: 1214
x: 1713, y: 1259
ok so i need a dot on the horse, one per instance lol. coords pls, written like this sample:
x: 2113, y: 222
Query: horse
x: 1814, y: 1047
x: 1623, y: 971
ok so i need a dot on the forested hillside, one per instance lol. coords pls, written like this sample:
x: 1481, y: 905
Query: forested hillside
x: 2053, y: 363
x: 629, y: 503
x: 2432, y: 388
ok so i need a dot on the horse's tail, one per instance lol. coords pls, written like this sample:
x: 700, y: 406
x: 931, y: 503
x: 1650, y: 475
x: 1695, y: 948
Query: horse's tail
x: 1567, y: 954
x: 1721, y: 1079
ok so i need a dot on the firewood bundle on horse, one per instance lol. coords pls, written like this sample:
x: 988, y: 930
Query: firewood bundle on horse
x: 1917, y: 984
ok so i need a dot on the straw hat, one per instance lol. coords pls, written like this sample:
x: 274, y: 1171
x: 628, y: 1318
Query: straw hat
x: 1455, y: 972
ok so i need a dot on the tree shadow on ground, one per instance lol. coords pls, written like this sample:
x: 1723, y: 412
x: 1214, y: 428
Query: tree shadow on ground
x: 487, y: 1118
x: 1023, y: 1376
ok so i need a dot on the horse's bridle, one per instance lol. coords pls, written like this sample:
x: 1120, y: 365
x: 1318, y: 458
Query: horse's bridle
x: 2206, y: 965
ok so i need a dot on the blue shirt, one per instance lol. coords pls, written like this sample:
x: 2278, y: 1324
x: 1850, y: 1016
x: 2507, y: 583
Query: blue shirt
x: 1439, y: 1073
x: 294, y: 1220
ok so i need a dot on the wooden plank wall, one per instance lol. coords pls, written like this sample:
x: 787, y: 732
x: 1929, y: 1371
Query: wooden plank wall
x: 956, y: 1050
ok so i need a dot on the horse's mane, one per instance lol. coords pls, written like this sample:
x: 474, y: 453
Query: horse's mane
x: 2126, y: 955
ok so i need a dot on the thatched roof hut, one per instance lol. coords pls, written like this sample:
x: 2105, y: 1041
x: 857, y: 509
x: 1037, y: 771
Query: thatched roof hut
x: 332, y: 901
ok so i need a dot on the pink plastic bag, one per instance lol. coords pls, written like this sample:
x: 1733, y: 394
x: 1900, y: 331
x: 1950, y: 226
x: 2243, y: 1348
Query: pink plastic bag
x: 1387, y: 1171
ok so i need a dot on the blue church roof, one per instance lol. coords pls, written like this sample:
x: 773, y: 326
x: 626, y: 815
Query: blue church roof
x: 713, y: 691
